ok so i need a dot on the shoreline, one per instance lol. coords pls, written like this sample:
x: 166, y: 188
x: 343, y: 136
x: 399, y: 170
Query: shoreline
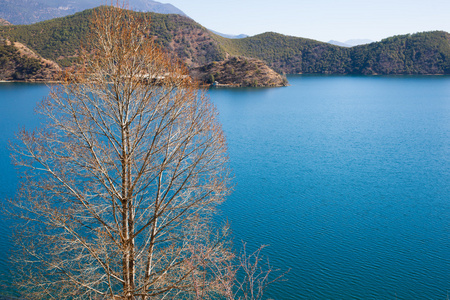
x: 238, y: 86
x: 30, y: 81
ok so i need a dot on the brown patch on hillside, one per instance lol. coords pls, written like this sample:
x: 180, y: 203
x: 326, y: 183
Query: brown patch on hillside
x: 3, y: 22
x: 185, y: 39
x: 24, y: 50
x: 25, y: 65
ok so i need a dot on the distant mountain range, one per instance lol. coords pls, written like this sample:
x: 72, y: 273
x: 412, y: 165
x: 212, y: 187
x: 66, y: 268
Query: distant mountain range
x: 229, y: 36
x: 351, y: 43
x: 33, y: 11
x: 357, y: 42
x: 421, y: 53
x: 337, y: 43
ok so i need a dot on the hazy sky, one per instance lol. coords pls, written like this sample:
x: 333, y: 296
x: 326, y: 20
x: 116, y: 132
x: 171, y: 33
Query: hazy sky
x: 322, y: 20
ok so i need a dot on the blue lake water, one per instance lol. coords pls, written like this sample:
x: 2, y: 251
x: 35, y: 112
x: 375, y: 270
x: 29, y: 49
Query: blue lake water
x: 346, y: 178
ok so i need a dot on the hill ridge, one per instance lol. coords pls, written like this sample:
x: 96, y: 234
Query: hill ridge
x: 420, y: 53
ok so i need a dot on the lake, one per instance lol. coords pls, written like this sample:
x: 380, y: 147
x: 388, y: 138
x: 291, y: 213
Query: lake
x: 346, y: 178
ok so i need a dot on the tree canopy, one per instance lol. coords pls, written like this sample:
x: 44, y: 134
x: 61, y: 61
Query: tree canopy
x: 120, y: 184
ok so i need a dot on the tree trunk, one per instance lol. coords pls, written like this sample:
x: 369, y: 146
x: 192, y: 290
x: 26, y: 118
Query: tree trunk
x: 127, y: 221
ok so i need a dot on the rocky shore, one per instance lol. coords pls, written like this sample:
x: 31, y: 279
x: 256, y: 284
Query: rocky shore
x: 238, y: 71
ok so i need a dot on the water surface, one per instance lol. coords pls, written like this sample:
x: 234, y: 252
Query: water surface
x: 346, y: 178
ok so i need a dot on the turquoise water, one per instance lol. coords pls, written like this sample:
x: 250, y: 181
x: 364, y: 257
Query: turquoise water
x: 17, y: 104
x: 346, y: 178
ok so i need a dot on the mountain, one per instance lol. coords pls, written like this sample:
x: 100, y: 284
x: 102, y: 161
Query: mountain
x: 357, y: 42
x: 153, y: 6
x: 421, y: 53
x: 351, y: 43
x: 60, y: 39
x: 288, y: 54
x: 337, y: 43
x: 32, y: 11
x: 229, y: 36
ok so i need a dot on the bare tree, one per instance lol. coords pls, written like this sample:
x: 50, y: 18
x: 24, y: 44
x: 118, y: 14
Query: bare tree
x: 242, y: 277
x: 120, y: 184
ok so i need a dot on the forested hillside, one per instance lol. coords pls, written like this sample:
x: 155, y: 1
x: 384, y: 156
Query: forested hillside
x: 60, y: 39
x: 421, y: 53
x: 291, y: 55
x: 19, y: 63
x: 15, y: 66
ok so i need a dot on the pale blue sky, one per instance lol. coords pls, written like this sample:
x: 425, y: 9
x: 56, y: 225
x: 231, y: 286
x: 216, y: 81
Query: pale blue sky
x: 322, y: 20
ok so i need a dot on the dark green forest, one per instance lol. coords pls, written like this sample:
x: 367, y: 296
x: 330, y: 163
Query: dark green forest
x: 421, y: 53
x: 289, y: 54
x: 58, y: 39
